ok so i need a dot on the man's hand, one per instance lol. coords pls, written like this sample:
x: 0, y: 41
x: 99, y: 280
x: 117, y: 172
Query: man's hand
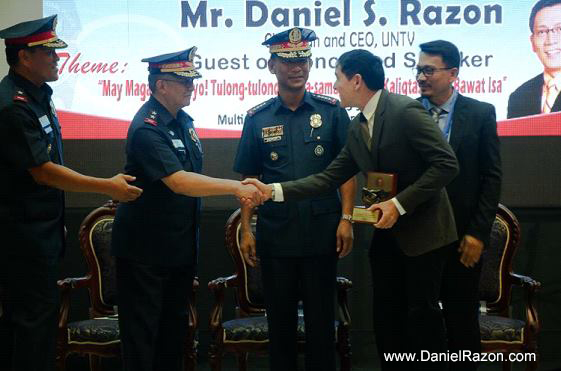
x: 266, y: 189
x: 470, y: 249
x: 121, y: 190
x: 249, y: 195
x: 344, y: 238
x: 389, y: 214
x: 247, y: 247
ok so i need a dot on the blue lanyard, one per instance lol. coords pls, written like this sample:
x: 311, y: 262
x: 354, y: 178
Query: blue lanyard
x: 448, y: 126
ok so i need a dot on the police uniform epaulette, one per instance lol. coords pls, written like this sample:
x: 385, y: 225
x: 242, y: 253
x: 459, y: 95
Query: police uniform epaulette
x: 19, y: 96
x: 260, y: 107
x: 324, y: 98
x: 151, y: 118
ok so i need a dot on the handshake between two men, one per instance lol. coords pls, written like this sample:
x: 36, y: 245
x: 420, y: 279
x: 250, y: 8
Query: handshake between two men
x: 388, y: 211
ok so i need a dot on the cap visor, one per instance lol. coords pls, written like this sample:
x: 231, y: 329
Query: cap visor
x: 190, y: 74
x: 56, y: 44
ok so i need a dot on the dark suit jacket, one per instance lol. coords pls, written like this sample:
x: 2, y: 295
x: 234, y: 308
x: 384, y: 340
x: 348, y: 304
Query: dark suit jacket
x: 475, y: 192
x: 406, y: 141
x: 526, y: 100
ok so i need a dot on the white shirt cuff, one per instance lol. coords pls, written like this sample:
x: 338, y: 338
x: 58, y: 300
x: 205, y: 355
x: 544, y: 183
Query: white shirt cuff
x: 398, y: 205
x: 279, y: 196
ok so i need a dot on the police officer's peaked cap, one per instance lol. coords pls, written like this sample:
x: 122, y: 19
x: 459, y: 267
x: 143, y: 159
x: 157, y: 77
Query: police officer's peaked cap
x: 292, y: 44
x: 179, y: 63
x: 40, y: 32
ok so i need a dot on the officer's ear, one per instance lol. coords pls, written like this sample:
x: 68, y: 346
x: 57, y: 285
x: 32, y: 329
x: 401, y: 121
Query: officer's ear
x: 24, y: 57
x: 272, y: 65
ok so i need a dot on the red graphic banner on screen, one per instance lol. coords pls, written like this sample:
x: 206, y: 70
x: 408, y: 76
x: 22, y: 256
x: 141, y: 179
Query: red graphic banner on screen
x: 81, y: 126
x: 548, y: 124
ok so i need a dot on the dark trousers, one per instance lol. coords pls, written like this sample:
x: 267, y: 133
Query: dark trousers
x: 153, y: 315
x: 30, y: 302
x: 460, y: 301
x: 407, y: 317
x: 285, y: 282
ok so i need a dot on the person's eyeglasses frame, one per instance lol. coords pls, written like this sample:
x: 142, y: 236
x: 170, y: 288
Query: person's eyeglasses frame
x: 542, y: 33
x: 417, y: 71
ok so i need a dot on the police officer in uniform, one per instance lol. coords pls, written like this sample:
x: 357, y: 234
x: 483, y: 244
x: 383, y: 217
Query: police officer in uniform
x: 32, y: 198
x: 293, y: 135
x: 155, y: 238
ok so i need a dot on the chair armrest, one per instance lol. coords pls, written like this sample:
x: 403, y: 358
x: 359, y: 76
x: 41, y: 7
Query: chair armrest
x: 217, y: 286
x: 527, y: 282
x: 66, y: 286
x: 531, y: 286
x: 343, y: 286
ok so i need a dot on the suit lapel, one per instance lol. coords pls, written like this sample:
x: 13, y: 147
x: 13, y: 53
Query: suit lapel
x: 458, y: 122
x: 557, y: 103
x: 378, y: 125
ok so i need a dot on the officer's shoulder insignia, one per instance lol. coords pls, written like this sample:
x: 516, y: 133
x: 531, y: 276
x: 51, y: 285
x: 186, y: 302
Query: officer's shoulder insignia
x: 20, y: 96
x: 324, y: 98
x: 151, y: 119
x: 260, y: 107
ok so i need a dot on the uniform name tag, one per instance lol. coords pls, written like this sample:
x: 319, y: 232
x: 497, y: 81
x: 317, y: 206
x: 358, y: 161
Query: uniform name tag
x: 177, y: 143
x: 272, y: 133
x: 45, y: 124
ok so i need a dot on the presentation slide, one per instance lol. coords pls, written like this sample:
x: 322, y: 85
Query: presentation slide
x: 103, y: 81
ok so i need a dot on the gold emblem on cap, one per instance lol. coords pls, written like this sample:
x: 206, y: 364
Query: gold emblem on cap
x: 315, y: 120
x: 274, y: 156
x: 319, y: 150
x: 192, y: 53
x: 295, y: 35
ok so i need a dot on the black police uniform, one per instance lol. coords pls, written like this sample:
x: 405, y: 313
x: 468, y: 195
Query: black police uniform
x: 31, y: 225
x: 155, y: 240
x: 296, y: 241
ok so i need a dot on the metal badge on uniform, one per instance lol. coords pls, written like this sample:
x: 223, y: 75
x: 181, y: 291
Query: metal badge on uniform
x: 274, y: 156
x: 45, y: 124
x: 171, y: 133
x: 193, y: 134
x: 272, y: 133
x: 195, y: 139
x: 49, y: 148
x: 177, y: 143
x: 315, y: 120
x: 53, y: 109
x: 319, y: 151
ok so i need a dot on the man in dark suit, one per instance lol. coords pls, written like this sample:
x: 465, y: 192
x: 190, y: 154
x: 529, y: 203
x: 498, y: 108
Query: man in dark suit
x: 541, y: 94
x: 394, y: 134
x: 471, y: 129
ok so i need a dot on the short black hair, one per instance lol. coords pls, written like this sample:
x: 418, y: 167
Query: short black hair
x: 539, y: 6
x: 12, y: 54
x: 445, y: 49
x: 364, y: 63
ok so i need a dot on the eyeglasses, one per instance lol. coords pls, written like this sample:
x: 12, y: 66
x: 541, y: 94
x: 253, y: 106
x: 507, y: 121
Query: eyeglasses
x: 543, y: 32
x: 428, y: 70
x: 186, y: 83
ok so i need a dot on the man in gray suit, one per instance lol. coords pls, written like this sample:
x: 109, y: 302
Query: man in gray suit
x: 394, y: 134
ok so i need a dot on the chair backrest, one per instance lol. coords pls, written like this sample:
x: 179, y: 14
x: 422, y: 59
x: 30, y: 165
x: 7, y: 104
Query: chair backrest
x: 250, y: 289
x: 95, y: 242
x: 495, y: 284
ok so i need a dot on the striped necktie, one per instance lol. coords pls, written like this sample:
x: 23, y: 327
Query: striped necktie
x: 550, y: 92
x: 435, y: 113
